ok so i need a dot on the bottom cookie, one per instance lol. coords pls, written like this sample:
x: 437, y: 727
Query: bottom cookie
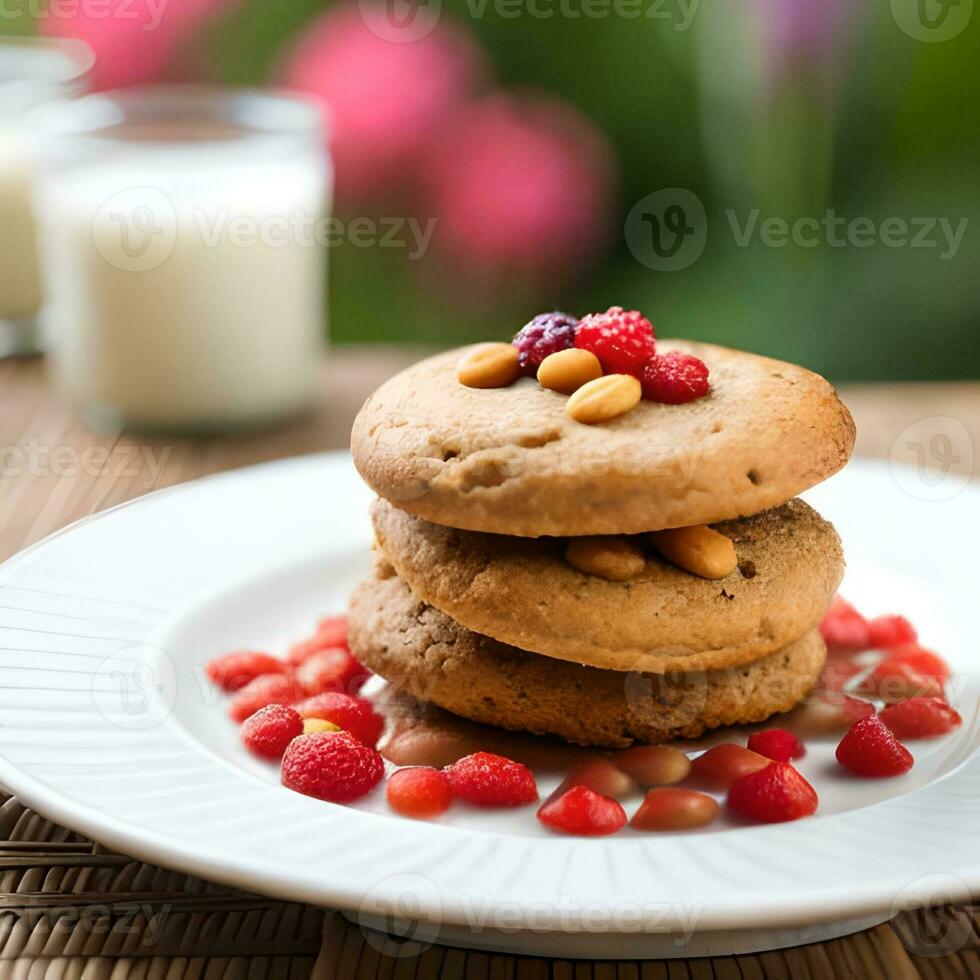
x: 433, y: 658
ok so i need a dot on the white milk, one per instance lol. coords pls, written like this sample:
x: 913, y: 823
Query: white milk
x: 184, y: 285
x: 20, y: 288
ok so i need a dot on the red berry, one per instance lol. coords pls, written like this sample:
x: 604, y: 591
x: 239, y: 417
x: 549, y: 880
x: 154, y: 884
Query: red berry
x: 844, y: 626
x: 331, y: 766
x: 622, y: 340
x: 267, y: 689
x: 271, y: 729
x: 886, y: 632
x: 870, y: 749
x: 920, y: 718
x: 672, y: 808
x: 232, y: 671
x: 353, y: 715
x: 485, y: 779
x: 333, y: 669
x: 777, y: 744
x: 420, y: 792
x: 836, y: 674
x: 583, y: 812
x: 721, y: 765
x: 895, y: 679
x: 546, y: 334
x: 674, y: 378
x: 922, y: 660
x: 773, y: 795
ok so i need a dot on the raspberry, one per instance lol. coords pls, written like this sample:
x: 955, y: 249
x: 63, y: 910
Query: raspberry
x: 777, y: 744
x: 922, y: 660
x: 271, y: 729
x: 420, y: 792
x: 672, y: 808
x: 334, y: 767
x: 582, y: 812
x: 773, y: 795
x: 233, y: 671
x: 894, y: 679
x: 330, y: 632
x: 920, y: 718
x: 485, y: 779
x: 353, y: 715
x: 546, y: 334
x: 870, y: 749
x: 674, y: 378
x: 333, y: 669
x: 886, y: 632
x: 722, y: 764
x: 267, y: 689
x: 844, y: 626
x: 623, y: 341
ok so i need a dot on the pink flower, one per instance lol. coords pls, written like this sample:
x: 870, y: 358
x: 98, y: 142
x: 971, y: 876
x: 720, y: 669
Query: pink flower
x: 520, y: 187
x: 385, y: 99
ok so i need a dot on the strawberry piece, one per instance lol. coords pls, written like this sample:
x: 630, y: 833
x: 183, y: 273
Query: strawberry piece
x: 837, y: 673
x: 922, y: 660
x: 582, y: 812
x: 674, y: 378
x: 844, y: 626
x: 267, y: 689
x: 721, y: 765
x: 672, y: 808
x: 332, y: 669
x: 870, y: 749
x: 331, y: 766
x: 354, y: 715
x: 485, y: 779
x: 270, y: 730
x: 622, y: 340
x: 894, y: 679
x: 775, y: 794
x: 777, y: 744
x: 885, y: 632
x: 330, y: 632
x: 420, y: 792
x: 232, y: 671
x: 920, y: 718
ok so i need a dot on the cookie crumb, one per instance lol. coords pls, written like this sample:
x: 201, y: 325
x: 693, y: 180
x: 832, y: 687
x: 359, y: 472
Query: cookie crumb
x: 727, y: 594
x: 747, y: 568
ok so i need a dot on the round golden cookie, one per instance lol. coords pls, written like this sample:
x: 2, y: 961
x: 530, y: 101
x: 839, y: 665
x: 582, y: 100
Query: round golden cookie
x: 521, y: 591
x: 510, y: 461
x: 424, y: 652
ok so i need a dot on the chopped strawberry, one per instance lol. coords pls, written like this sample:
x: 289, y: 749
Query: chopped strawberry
x: 837, y: 673
x: 232, y: 671
x: 920, y: 718
x: 895, y: 679
x: 332, y: 669
x: 354, y: 715
x: 778, y: 744
x: 773, y: 795
x: 485, y: 779
x: 870, y: 749
x: 330, y: 632
x: 267, y: 689
x: 584, y: 813
x: 721, y: 765
x: 420, y: 792
x: 885, y: 632
x: 922, y: 660
x: 270, y: 730
x: 844, y: 626
x: 673, y: 808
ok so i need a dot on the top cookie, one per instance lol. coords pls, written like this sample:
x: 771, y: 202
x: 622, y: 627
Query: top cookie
x: 510, y: 461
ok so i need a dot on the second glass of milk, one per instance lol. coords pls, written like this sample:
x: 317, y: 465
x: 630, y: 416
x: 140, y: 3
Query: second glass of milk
x: 181, y: 233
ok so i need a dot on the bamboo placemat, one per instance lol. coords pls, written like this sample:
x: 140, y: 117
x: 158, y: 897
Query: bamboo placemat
x: 73, y: 910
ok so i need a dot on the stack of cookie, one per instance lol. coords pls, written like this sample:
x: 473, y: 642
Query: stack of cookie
x: 642, y: 579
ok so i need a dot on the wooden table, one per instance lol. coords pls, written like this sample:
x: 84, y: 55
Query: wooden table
x: 70, y: 908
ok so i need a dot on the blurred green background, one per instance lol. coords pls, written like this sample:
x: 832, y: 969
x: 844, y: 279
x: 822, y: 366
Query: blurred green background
x: 784, y: 109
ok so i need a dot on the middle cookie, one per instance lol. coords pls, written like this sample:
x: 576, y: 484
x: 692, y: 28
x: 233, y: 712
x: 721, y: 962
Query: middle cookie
x: 522, y: 592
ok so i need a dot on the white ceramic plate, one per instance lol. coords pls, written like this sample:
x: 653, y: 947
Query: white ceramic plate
x: 108, y: 726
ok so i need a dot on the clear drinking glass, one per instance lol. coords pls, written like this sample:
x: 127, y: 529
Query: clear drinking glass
x: 183, y: 257
x: 33, y: 72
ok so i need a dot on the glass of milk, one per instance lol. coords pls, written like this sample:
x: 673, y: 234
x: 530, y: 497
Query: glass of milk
x: 33, y: 72
x: 182, y: 238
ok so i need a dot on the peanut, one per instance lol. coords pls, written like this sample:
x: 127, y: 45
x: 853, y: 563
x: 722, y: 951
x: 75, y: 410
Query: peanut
x: 604, y: 398
x: 699, y: 550
x: 489, y: 366
x: 567, y: 370
x: 313, y: 725
x: 610, y: 558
